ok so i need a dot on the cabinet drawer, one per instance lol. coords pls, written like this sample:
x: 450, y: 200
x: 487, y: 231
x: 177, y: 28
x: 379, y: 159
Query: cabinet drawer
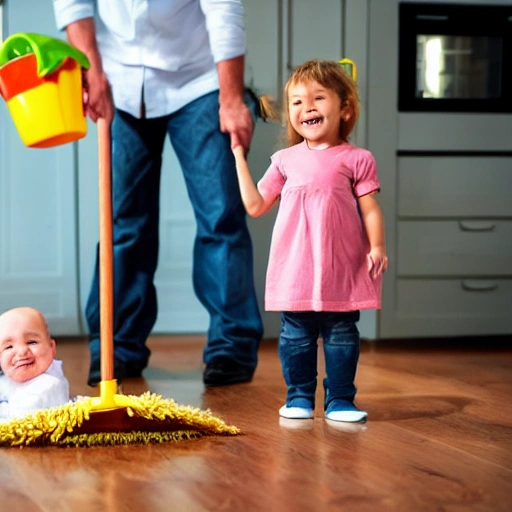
x: 454, y: 186
x: 449, y: 248
x: 454, y: 307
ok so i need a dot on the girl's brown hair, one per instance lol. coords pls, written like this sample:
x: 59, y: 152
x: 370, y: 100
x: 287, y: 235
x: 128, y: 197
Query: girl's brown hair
x: 330, y: 75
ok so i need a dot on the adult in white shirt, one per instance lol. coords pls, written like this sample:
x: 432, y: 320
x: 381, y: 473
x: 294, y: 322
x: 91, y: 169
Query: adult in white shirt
x: 173, y: 67
x: 32, y: 378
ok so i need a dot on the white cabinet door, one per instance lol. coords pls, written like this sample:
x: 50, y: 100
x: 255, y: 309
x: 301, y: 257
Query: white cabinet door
x: 315, y: 30
x: 179, y: 310
x: 37, y: 207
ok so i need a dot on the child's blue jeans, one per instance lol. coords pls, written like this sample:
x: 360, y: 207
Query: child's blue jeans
x: 298, y: 348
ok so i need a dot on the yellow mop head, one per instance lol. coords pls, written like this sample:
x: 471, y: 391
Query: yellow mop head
x: 148, y: 418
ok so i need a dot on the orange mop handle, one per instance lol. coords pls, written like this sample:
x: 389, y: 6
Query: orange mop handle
x: 106, y: 260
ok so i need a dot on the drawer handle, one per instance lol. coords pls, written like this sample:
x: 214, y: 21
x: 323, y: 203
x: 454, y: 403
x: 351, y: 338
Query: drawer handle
x: 467, y: 225
x: 479, y: 286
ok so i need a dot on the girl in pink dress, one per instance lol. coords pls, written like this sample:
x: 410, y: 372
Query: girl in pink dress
x: 328, y: 248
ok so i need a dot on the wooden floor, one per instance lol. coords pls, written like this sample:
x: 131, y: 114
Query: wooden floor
x: 439, y: 438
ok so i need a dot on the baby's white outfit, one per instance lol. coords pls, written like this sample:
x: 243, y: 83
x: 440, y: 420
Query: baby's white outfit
x: 17, y: 399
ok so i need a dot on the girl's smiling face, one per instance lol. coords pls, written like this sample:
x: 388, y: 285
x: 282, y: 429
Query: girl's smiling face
x: 315, y: 113
x: 26, y: 349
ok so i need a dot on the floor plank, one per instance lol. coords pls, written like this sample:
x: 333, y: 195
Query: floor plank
x: 439, y: 438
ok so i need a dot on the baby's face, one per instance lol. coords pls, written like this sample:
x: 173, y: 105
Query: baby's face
x: 26, y: 349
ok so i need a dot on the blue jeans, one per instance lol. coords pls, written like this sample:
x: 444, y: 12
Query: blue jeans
x: 298, y: 348
x: 223, y: 259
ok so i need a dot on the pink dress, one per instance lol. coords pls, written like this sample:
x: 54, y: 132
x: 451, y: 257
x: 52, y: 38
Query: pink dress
x: 318, y: 254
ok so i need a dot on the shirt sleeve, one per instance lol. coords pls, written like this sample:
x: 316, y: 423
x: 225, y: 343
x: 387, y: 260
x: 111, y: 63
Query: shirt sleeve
x: 226, y: 28
x: 68, y: 11
x: 365, y: 174
x: 271, y: 184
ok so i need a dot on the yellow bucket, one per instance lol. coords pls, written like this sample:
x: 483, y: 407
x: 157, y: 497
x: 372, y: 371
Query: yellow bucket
x: 47, y: 111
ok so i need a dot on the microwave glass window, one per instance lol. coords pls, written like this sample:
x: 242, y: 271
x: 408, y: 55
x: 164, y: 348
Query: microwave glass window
x: 458, y: 67
x: 455, y: 56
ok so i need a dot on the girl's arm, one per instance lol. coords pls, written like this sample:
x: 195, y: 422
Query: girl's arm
x: 255, y: 204
x: 374, y: 224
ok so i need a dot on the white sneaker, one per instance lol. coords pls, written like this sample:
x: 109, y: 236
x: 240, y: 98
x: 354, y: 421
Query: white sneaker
x: 296, y: 413
x: 348, y: 416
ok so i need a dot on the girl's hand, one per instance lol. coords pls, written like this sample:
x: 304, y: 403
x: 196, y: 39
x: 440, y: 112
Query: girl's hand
x: 239, y: 153
x: 377, y: 261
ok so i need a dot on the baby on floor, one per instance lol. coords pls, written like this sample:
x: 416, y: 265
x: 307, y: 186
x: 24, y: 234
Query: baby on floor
x: 32, y: 378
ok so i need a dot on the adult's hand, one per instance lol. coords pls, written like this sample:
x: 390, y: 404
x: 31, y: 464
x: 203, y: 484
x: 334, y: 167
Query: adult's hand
x: 234, y: 115
x: 98, y: 95
x: 235, y: 119
x: 97, y: 92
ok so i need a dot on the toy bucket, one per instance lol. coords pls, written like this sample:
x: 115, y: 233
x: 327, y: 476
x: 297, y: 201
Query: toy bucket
x: 350, y: 67
x: 47, y: 111
x: 46, y: 107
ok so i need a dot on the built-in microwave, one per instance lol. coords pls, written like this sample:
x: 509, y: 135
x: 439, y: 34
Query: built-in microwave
x: 455, y: 57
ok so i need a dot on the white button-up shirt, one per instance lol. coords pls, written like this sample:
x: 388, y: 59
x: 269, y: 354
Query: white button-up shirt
x: 164, y: 49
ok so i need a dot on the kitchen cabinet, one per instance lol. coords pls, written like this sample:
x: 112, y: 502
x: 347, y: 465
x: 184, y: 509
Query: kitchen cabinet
x: 38, y: 238
x: 445, y: 180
